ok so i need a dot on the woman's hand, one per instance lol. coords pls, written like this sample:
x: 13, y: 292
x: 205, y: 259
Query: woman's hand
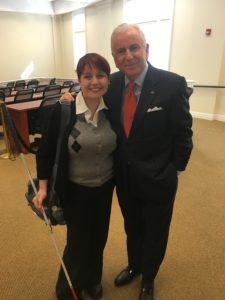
x: 39, y: 198
x: 41, y: 195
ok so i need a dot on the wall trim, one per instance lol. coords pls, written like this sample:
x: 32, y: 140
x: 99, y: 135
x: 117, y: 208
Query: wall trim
x: 219, y: 118
x: 211, y: 117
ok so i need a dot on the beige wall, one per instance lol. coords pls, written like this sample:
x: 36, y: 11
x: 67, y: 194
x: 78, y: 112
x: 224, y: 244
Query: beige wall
x: 25, y: 38
x: 64, y: 62
x: 200, y: 57
x: 193, y: 54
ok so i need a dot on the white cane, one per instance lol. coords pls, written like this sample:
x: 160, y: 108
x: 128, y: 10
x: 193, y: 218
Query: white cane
x: 12, y: 129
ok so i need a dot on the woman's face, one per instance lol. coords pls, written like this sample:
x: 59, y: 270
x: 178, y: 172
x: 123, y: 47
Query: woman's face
x: 93, y: 82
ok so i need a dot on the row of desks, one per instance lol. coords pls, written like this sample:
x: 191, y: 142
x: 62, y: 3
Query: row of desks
x: 19, y: 114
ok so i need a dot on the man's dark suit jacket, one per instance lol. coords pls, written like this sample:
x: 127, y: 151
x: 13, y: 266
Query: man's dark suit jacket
x: 160, y: 140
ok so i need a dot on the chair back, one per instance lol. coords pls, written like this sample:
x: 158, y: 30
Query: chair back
x: 24, y: 95
x: 2, y: 96
x: 52, y: 81
x: 68, y: 83
x: 10, y: 84
x: 52, y: 90
x: 32, y: 84
x: 50, y: 100
x: 75, y: 88
x: 2, y: 99
x: 7, y: 91
x: 19, y: 85
x: 40, y: 88
x: 38, y: 121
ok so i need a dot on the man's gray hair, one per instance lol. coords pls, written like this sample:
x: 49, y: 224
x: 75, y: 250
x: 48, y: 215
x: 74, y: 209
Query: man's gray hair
x: 124, y: 27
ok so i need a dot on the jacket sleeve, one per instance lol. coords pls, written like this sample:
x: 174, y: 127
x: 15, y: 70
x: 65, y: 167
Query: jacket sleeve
x: 181, y: 126
x: 46, y: 153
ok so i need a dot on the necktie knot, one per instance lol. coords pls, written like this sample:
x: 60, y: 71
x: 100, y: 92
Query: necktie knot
x: 131, y: 86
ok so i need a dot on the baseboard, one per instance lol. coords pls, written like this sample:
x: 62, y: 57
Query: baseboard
x: 199, y: 115
x: 206, y: 116
x: 219, y: 118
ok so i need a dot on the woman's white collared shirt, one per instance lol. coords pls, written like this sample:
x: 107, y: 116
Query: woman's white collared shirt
x: 82, y: 108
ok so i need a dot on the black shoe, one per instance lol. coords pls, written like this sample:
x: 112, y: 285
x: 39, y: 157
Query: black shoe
x: 125, y: 276
x: 95, y: 291
x: 147, y: 292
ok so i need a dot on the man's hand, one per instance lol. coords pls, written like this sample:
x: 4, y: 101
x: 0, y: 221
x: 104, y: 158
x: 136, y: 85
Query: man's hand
x: 68, y: 97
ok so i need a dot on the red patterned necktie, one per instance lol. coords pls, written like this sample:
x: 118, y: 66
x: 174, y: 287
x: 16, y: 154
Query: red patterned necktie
x: 130, y: 104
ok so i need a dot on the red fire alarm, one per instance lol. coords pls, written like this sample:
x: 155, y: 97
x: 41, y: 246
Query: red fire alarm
x: 208, y: 31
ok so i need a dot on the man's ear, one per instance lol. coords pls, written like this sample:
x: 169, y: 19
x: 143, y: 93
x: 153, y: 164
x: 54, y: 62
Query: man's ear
x: 147, y: 51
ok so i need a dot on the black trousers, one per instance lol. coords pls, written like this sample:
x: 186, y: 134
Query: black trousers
x: 87, y: 214
x: 147, y: 221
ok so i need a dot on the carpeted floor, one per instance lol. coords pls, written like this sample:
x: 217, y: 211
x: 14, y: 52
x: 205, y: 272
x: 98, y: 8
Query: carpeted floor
x: 194, y: 267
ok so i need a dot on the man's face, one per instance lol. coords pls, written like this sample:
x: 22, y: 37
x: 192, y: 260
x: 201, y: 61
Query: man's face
x: 130, y: 53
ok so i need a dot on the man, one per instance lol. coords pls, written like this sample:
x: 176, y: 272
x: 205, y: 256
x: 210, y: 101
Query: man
x: 150, y: 154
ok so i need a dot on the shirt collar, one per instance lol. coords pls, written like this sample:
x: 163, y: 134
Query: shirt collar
x: 81, y: 106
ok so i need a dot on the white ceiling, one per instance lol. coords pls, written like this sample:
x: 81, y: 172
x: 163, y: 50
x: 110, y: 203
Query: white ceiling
x: 49, y: 7
x: 63, y: 6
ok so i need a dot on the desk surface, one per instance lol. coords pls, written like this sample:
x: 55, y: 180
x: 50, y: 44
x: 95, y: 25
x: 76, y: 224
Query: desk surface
x: 24, y: 106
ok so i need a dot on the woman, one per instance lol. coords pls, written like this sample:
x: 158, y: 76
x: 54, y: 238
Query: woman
x: 85, y: 178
